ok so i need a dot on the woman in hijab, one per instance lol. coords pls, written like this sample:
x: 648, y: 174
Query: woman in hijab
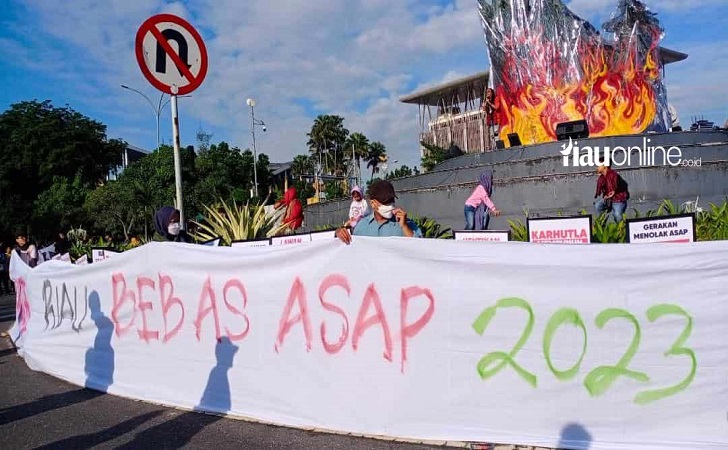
x: 294, y: 211
x: 166, y: 222
x: 480, y: 196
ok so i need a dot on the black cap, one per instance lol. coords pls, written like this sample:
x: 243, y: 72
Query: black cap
x: 382, y: 191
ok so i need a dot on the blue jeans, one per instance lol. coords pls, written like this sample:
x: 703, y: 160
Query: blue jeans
x: 470, y: 218
x: 618, y: 209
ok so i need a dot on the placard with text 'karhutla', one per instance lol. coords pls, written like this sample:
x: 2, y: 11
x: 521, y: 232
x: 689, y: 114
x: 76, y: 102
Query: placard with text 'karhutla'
x: 560, y: 230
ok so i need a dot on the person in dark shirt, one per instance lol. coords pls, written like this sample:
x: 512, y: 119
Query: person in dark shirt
x: 62, y: 244
x: 613, y: 191
x: 384, y: 220
x: 166, y: 222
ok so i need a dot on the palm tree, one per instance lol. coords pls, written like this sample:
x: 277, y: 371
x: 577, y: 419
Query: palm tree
x: 301, y: 165
x: 328, y: 136
x: 377, y: 155
x: 360, y: 144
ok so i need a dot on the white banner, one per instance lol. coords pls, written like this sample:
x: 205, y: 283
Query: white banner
x: 251, y: 243
x: 46, y: 253
x: 483, y: 235
x: 560, y: 230
x: 101, y: 254
x: 605, y: 346
x: 677, y: 228
x: 293, y: 239
x: 213, y: 242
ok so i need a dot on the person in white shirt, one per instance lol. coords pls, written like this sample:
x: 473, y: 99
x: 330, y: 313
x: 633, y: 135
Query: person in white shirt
x: 25, y: 250
x: 358, y: 207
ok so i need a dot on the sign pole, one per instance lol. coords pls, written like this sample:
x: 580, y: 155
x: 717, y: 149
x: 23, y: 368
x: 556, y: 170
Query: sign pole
x: 177, y: 159
x: 188, y: 57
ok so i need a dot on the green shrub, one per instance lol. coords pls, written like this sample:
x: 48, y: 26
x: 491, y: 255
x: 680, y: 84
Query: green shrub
x: 431, y: 229
x: 519, y: 230
x: 712, y: 225
x: 238, y: 223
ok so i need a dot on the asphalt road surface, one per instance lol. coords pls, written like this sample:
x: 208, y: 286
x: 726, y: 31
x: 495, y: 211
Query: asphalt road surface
x: 38, y: 411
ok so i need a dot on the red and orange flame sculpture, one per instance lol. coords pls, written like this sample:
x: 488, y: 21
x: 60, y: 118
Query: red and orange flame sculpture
x: 549, y: 67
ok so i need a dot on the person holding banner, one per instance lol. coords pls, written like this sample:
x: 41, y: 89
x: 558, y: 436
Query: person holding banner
x: 166, y: 222
x: 25, y: 250
x: 385, y: 220
x: 481, y: 196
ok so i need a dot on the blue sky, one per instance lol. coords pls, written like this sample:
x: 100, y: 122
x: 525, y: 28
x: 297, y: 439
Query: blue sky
x: 354, y: 58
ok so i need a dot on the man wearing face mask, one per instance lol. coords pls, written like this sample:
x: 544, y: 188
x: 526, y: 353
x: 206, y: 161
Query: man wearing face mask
x: 166, y: 222
x: 384, y: 220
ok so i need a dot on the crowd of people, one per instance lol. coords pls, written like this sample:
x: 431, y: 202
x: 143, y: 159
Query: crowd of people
x: 379, y: 216
x: 386, y: 219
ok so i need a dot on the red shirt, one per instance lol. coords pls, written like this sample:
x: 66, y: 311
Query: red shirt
x: 294, y: 218
x: 609, y: 182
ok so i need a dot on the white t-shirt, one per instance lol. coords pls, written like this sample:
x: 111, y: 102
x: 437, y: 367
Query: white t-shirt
x: 358, y: 209
x: 30, y: 253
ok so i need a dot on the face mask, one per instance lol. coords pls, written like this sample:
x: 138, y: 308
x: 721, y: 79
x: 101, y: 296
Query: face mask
x: 386, y: 211
x: 173, y: 229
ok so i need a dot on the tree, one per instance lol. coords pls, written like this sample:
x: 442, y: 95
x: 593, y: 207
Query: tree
x: 360, y: 144
x: 203, y: 140
x: 326, y: 141
x: 61, y: 205
x: 434, y: 155
x: 114, y: 209
x: 39, y: 144
x: 221, y: 173
x: 302, y: 165
x: 377, y: 155
x: 402, y: 172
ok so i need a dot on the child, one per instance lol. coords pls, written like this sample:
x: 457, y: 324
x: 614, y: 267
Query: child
x: 358, y: 208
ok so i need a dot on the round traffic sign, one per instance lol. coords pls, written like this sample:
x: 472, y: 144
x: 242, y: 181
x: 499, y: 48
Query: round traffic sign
x: 171, y: 54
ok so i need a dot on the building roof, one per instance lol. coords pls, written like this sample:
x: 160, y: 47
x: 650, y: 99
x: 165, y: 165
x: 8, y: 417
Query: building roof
x: 432, y: 95
x: 477, y: 83
x: 138, y: 149
x: 278, y: 168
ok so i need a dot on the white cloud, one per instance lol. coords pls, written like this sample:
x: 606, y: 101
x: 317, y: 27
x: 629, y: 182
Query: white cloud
x: 339, y: 54
x: 697, y: 85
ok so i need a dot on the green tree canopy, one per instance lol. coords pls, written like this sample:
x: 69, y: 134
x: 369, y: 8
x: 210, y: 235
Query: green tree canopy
x: 40, y: 147
x: 326, y: 142
x: 402, y: 172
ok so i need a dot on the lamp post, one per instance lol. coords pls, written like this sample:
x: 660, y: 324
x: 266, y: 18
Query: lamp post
x: 253, y: 123
x: 156, y: 109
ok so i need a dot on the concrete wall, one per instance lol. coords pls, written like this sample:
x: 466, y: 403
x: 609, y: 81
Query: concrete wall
x: 535, y: 179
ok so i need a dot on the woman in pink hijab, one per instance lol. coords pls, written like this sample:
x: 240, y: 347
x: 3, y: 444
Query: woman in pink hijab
x: 481, y: 196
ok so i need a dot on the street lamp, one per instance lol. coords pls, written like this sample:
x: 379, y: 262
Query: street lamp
x: 253, y: 123
x: 156, y: 109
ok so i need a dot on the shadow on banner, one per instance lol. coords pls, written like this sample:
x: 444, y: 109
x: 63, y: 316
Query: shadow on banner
x: 179, y: 431
x: 574, y: 437
x: 100, y: 358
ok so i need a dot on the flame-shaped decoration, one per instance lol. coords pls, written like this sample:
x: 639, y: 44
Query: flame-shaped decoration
x: 549, y: 66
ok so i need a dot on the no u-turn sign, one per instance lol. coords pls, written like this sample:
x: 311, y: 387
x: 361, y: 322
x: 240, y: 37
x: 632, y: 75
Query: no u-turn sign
x: 171, y: 54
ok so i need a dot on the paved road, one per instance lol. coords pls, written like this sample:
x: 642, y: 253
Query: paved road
x: 38, y: 411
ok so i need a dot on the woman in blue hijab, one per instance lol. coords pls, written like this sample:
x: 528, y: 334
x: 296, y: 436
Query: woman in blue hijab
x: 479, y: 200
x: 166, y: 222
